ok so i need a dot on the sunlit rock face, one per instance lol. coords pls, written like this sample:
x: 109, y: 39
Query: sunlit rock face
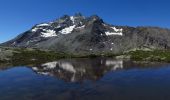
x: 76, y: 70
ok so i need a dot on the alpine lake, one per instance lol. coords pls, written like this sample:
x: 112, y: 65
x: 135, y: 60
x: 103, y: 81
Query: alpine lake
x: 86, y: 79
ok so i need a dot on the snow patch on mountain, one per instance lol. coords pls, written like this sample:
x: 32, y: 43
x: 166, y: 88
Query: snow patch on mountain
x: 72, y: 19
x: 67, y: 30
x: 48, y: 33
x: 116, y: 32
x: 38, y: 27
x: 34, y: 29
x: 44, y: 24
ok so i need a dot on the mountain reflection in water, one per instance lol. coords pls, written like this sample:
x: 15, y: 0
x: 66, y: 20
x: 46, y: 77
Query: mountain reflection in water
x: 86, y: 79
x: 77, y: 70
x: 74, y: 70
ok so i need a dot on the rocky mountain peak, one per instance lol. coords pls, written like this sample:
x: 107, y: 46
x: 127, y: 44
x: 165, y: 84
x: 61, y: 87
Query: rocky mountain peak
x: 78, y: 15
x: 95, y: 17
x: 80, y: 34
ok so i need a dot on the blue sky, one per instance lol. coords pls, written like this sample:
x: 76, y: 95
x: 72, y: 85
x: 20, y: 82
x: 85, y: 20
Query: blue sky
x: 17, y: 16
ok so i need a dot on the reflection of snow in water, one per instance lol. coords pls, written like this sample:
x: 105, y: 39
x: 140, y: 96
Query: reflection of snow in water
x: 116, y: 64
x: 67, y: 66
x: 73, y: 78
x: 76, y: 70
x: 63, y: 65
x: 35, y: 68
x: 50, y: 65
x: 44, y: 73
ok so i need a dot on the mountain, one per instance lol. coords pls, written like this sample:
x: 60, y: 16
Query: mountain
x: 90, y: 35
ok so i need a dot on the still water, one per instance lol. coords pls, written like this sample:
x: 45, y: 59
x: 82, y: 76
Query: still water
x: 86, y: 79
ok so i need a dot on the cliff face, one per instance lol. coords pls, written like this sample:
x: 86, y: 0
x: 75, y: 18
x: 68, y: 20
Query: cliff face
x: 78, y: 34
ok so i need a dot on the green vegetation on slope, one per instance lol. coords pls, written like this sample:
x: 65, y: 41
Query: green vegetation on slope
x: 155, y: 55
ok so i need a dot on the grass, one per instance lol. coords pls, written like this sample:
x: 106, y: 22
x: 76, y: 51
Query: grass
x: 156, y: 55
x: 23, y: 56
x: 35, y: 56
x: 31, y: 56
